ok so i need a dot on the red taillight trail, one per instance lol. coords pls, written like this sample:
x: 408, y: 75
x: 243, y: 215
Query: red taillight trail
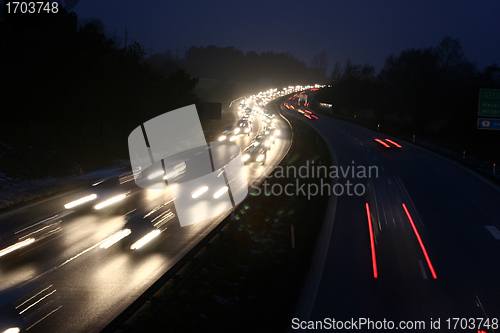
x: 372, y: 242
x: 421, y: 243
x: 394, y: 143
x: 383, y: 143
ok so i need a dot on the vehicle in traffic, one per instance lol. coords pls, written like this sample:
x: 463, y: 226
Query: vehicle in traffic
x: 263, y: 140
x: 254, y: 153
x: 23, y: 239
x: 142, y: 230
x: 243, y: 127
x: 108, y: 192
x: 272, y: 133
x: 227, y: 135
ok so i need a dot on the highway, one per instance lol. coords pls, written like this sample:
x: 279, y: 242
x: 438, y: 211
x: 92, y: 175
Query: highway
x: 68, y: 283
x: 420, y: 244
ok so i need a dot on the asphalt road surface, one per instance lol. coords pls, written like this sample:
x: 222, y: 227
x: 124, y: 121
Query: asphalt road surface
x: 434, y: 229
x: 67, y: 283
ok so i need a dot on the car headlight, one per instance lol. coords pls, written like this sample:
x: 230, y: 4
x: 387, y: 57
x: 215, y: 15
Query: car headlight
x: 277, y: 132
x: 268, y: 143
x: 234, y: 137
x: 110, y: 201
x: 220, y: 192
x: 80, y: 201
x: 141, y: 242
x: 222, y: 137
x: 16, y: 246
x: 272, y: 138
x: 199, y: 192
x: 156, y: 174
x: 260, y: 158
x: 236, y: 130
x: 246, y: 157
x: 12, y: 330
x: 247, y: 130
x: 115, y: 238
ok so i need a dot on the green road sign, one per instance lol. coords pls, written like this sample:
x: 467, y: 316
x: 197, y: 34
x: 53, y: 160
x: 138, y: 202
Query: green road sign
x: 489, y: 102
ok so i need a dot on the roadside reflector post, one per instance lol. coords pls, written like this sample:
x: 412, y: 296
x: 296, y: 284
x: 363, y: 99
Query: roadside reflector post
x: 413, y: 137
x: 293, y: 235
x: 464, y: 155
x: 378, y: 127
x: 493, y: 168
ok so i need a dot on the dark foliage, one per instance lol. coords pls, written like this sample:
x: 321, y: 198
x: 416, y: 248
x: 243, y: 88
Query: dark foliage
x: 65, y: 82
x: 230, y: 64
x: 432, y: 93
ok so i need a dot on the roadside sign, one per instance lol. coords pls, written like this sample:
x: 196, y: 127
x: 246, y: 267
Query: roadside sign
x: 489, y: 103
x: 488, y: 123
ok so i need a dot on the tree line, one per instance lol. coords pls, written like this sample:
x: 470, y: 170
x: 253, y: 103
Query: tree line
x: 431, y: 92
x: 231, y: 64
x: 59, y: 73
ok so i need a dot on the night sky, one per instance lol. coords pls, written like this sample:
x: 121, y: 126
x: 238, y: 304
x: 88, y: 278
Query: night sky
x: 366, y: 31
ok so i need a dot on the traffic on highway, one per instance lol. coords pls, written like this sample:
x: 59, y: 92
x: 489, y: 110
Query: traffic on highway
x: 87, y: 254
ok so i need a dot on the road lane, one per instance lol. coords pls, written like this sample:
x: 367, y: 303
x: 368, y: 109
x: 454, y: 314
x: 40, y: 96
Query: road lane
x: 90, y: 285
x: 450, y: 208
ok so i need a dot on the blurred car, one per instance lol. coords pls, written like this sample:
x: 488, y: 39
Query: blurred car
x: 263, y: 140
x: 247, y: 118
x: 143, y: 231
x: 227, y: 135
x: 243, y: 127
x: 23, y: 307
x: 272, y: 133
x: 254, y: 153
x: 108, y: 192
x: 23, y: 239
x: 10, y: 320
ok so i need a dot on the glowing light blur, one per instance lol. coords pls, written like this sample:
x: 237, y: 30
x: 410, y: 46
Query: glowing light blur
x: 111, y: 201
x: 222, y: 137
x: 80, y: 201
x: 372, y: 242
x: 16, y: 246
x: 236, y: 130
x: 199, y: 192
x: 247, y: 130
x: 234, y: 137
x: 220, y: 192
x: 115, y: 238
x: 260, y: 158
x: 246, y: 157
x: 171, y: 174
x: 12, y: 330
x: 383, y: 143
x: 394, y: 143
x: 421, y: 243
x: 156, y: 174
x: 144, y: 240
